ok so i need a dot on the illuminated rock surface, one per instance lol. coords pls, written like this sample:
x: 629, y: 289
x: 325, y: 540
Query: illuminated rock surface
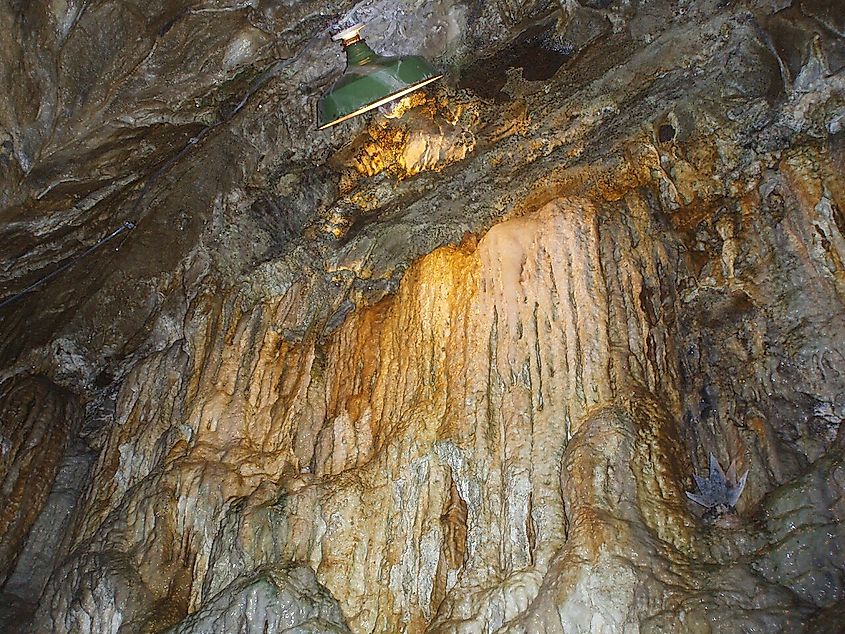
x: 450, y: 370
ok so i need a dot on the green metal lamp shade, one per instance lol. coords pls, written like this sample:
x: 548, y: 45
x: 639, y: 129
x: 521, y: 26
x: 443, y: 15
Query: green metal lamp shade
x: 370, y: 80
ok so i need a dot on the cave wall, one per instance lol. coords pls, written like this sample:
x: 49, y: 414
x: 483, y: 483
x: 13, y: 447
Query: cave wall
x: 447, y: 371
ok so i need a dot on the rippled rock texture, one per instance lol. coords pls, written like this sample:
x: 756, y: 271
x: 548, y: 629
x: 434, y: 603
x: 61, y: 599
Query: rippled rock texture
x: 449, y: 368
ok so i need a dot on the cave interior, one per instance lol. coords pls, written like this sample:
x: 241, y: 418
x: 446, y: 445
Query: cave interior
x: 554, y: 344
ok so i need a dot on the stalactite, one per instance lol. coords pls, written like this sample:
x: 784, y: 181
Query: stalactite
x: 38, y: 419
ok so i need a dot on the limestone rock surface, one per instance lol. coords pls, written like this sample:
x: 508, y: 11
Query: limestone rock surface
x: 446, y: 368
x: 286, y: 600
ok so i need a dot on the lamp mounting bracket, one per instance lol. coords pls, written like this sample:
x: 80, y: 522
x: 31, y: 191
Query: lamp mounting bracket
x: 349, y: 36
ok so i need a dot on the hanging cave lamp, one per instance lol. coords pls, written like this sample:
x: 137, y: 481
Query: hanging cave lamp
x: 370, y: 80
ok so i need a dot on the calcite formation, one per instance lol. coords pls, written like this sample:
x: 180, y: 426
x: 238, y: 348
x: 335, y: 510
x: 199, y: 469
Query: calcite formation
x: 38, y: 418
x: 447, y: 368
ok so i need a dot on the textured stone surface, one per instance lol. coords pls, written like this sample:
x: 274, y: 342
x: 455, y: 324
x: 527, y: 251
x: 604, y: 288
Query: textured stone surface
x: 446, y: 370
x: 38, y: 418
x: 286, y: 600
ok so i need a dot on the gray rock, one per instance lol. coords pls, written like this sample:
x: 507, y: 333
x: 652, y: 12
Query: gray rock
x: 280, y: 600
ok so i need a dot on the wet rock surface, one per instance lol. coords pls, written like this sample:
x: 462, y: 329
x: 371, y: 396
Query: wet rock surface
x: 449, y: 368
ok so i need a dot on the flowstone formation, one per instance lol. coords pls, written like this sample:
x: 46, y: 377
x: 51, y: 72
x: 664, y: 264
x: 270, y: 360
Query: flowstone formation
x: 450, y: 368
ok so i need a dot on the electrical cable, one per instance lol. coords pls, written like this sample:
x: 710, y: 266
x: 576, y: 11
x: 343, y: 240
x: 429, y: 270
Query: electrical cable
x: 129, y: 225
x: 126, y: 226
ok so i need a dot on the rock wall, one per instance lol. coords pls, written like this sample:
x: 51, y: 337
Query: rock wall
x: 448, y: 371
x: 38, y: 418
